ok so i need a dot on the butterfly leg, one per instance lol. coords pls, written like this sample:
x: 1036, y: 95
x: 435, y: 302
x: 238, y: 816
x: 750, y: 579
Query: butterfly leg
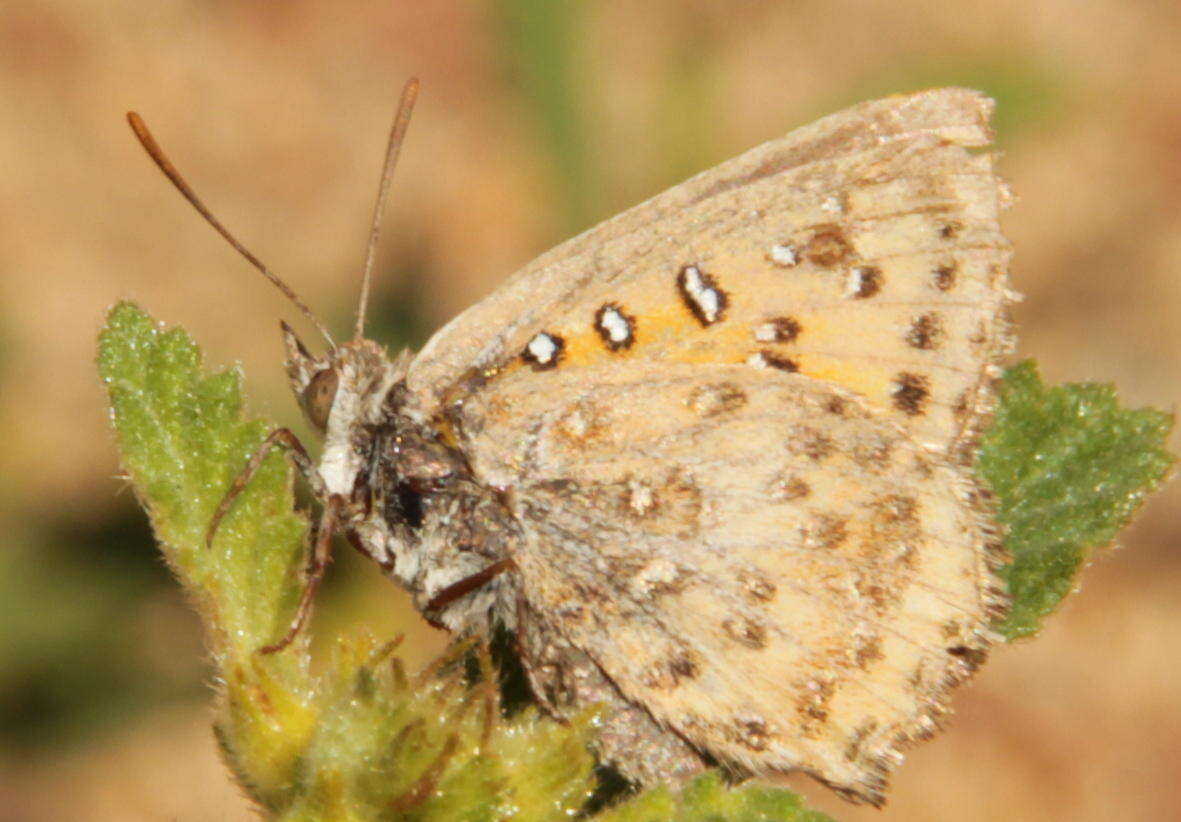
x: 317, y: 565
x: 299, y: 455
x: 468, y: 584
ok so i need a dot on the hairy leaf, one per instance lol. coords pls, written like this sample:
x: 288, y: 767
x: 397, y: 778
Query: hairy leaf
x: 1069, y: 467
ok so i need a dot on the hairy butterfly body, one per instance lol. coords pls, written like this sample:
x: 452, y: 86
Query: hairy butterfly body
x: 708, y: 461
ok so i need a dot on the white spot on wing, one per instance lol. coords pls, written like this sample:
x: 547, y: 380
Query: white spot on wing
x: 853, y: 282
x: 614, y: 326
x: 694, y: 283
x: 659, y: 571
x: 861, y: 282
x: 767, y: 333
x: 702, y: 295
x: 543, y: 348
x: 708, y: 300
x: 784, y: 255
x: 640, y: 497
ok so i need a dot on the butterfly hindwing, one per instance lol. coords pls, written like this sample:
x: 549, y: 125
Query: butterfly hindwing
x: 765, y: 563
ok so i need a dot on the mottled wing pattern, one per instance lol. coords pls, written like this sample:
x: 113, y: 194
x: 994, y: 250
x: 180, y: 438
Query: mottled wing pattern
x: 863, y: 250
x: 728, y: 423
x: 765, y: 562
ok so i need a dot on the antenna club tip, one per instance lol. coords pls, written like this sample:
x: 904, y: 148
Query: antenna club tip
x: 141, y: 130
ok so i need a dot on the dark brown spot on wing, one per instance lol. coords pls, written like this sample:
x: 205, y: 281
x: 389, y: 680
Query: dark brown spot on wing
x: 871, y: 587
x: 780, y: 329
x: 866, y: 281
x: 926, y: 332
x: 922, y: 467
x: 972, y: 657
x: 751, y: 733
x: 866, y: 651
x: 681, y: 498
x: 836, y: 405
x: 894, y: 529
x: 828, y: 247
x: 716, y: 398
x: 787, y: 488
x: 857, y: 739
x: 812, y: 705
x: 772, y: 360
x: 897, y: 509
x: 746, y: 632
x: 873, y: 451
x: 962, y: 405
x: 980, y: 337
x: 811, y: 443
x: 685, y: 666
x: 756, y: 586
x: 911, y: 392
x: 681, y: 666
x: 944, y: 277
x: 827, y: 531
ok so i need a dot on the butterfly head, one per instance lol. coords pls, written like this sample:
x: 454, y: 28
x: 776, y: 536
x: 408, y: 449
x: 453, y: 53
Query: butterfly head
x: 341, y: 393
x: 326, y: 387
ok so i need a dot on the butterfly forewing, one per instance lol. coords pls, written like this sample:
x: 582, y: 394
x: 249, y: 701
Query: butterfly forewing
x: 863, y: 250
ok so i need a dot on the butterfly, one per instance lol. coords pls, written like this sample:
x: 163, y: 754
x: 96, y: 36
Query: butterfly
x: 708, y: 462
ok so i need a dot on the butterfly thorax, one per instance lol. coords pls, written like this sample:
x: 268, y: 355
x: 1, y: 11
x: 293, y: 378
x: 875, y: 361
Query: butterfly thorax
x: 410, y: 500
x: 441, y: 525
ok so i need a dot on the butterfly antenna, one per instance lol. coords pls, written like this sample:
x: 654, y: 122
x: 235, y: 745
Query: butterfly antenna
x: 397, y: 134
x: 158, y: 157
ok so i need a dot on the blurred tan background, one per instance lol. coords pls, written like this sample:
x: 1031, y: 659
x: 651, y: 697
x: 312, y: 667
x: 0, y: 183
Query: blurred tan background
x: 537, y: 118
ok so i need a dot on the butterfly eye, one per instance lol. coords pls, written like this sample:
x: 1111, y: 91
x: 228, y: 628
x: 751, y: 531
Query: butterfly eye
x: 318, y: 397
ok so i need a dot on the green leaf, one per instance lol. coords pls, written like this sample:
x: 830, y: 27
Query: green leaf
x: 1069, y: 467
x: 183, y: 439
x: 707, y: 799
